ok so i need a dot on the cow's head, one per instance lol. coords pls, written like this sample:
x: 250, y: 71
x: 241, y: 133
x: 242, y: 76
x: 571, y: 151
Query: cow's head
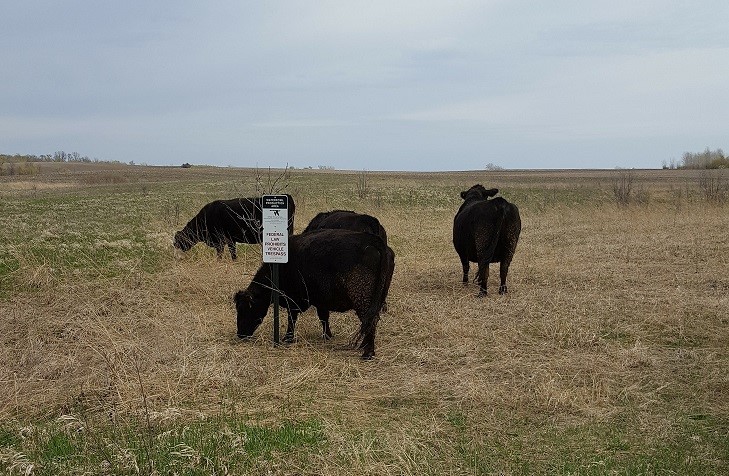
x: 478, y: 192
x: 185, y: 239
x: 249, y: 315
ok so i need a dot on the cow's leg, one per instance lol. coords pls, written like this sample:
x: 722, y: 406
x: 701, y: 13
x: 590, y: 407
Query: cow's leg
x: 466, y: 266
x: 503, y: 271
x: 482, y: 277
x: 326, y: 332
x: 291, y: 327
x: 231, y: 248
x: 219, y: 247
x: 367, y: 331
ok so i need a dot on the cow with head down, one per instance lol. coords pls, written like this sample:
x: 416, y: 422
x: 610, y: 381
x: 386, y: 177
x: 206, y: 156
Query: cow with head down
x: 486, y: 230
x: 330, y: 269
x: 224, y: 223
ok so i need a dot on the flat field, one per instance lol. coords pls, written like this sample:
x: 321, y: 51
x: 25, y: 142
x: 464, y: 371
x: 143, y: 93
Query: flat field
x: 609, y: 354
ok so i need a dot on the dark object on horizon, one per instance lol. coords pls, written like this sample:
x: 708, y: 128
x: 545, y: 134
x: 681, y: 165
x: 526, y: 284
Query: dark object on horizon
x: 224, y: 223
x: 486, y: 231
x: 186, y: 165
x: 332, y: 270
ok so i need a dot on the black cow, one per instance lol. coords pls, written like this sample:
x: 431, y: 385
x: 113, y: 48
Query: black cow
x: 347, y: 220
x: 333, y: 270
x: 486, y: 231
x: 227, y: 222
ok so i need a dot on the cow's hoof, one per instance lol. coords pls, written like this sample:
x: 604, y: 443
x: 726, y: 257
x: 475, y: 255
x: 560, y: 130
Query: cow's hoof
x: 481, y: 294
x: 368, y: 356
x: 289, y: 339
x: 502, y: 290
x: 326, y: 336
x: 244, y: 336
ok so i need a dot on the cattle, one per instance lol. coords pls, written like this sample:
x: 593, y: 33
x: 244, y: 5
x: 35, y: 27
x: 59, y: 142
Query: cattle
x: 330, y: 269
x: 486, y: 231
x: 347, y: 220
x: 224, y: 223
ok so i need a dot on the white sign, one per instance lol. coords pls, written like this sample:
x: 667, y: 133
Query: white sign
x: 275, y: 210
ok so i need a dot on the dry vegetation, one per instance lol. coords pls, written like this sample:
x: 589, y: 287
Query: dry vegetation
x: 608, y: 355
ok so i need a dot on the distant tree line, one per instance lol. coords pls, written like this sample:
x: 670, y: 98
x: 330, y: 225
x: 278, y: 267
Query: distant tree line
x: 708, y: 159
x: 58, y: 156
x: 28, y: 164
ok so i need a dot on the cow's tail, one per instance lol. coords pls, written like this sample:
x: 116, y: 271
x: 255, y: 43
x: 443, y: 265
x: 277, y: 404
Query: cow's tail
x: 494, y: 238
x: 381, y: 288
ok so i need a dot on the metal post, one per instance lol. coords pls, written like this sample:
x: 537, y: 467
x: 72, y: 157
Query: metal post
x: 276, y: 326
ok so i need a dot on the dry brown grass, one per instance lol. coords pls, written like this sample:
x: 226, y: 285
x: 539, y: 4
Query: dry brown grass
x: 613, y: 313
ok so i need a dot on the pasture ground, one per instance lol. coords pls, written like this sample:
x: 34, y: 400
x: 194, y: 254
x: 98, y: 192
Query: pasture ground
x: 609, y: 355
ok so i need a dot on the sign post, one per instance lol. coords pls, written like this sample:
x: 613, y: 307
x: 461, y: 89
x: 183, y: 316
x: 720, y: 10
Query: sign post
x: 275, y: 245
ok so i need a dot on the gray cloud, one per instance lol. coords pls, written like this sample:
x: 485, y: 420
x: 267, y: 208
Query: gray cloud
x: 411, y: 85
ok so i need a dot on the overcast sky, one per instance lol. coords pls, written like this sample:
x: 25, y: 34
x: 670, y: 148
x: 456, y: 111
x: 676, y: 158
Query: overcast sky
x: 366, y: 85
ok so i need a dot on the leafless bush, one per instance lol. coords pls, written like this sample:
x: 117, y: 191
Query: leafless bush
x: 19, y: 168
x: 623, y: 186
x: 713, y: 186
x: 272, y: 183
x: 171, y: 212
x: 363, y: 185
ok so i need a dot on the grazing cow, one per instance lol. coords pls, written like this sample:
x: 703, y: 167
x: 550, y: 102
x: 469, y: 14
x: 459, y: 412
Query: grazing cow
x: 486, y: 231
x: 333, y: 270
x: 227, y: 222
x: 347, y: 220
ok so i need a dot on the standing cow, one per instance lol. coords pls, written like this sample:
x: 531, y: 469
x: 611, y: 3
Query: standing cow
x: 347, y: 220
x: 486, y: 231
x: 226, y: 222
x: 333, y: 270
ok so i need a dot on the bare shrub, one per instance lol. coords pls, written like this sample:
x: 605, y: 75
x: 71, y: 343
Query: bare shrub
x: 363, y: 185
x: 272, y: 183
x: 623, y: 186
x: 713, y: 186
x: 19, y: 168
x: 171, y: 213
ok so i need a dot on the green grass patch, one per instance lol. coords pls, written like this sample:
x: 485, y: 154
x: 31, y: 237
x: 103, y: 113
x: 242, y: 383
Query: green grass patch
x: 692, y: 446
x: 215, y: 446
x: 8, y: 265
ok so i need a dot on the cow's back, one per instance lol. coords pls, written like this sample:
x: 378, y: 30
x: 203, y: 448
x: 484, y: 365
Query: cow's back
x: 237, y: 219
x: 347, y: 220
x: 336, y: 269
x: 481, y: 222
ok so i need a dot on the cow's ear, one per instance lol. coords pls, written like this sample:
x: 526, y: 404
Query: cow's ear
x: 492, y: 192
x: 242, y: 298
x: 463, y: 195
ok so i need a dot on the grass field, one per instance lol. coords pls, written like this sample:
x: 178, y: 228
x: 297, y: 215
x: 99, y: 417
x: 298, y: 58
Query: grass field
x: 609, y: 355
